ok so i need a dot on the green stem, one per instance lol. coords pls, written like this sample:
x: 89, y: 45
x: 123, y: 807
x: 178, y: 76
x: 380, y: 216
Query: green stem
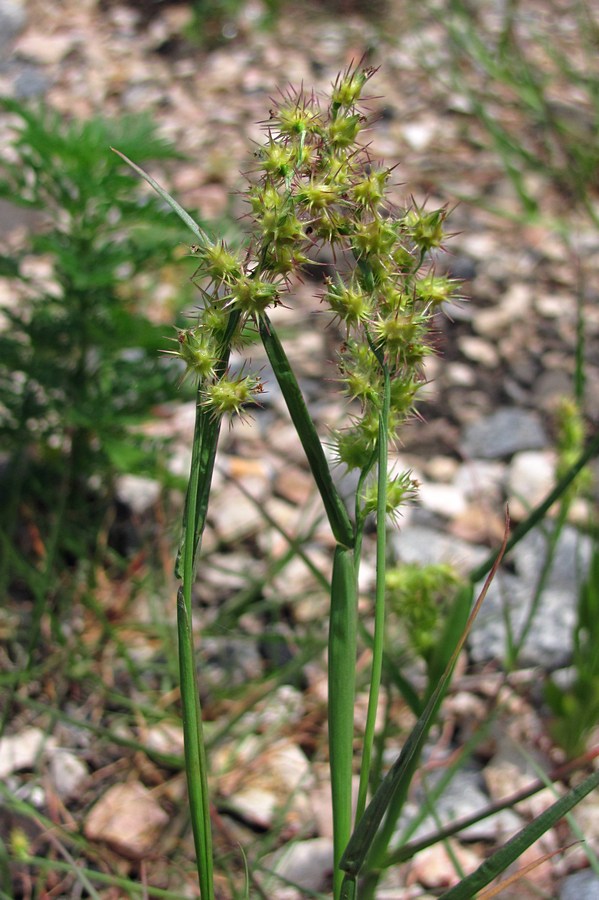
x: 342, y: 676
x: 207, y: 429
x: 195, y: 752
x: 379, y: 603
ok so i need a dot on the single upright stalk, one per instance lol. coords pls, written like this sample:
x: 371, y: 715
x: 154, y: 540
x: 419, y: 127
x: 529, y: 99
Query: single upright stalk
x: 379, y: 602
x: 205, y: 441
x: 195, y: 752
x: 341, y: 682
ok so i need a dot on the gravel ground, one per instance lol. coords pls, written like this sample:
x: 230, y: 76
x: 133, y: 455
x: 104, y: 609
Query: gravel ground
x: 487, y: 432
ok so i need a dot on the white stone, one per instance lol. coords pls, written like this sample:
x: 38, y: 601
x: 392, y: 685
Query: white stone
x: 127, y: 817
x: 307, y: 864
x: 481, y: 478
x: 21, y: 751
x: 514, y: 306
x: 137, y: 492
x: 460, y: 374
x: 68, y: 772
x: 530, y: 478
x: 444, y: 499
x: 419, y: 134
x: 478, y: 350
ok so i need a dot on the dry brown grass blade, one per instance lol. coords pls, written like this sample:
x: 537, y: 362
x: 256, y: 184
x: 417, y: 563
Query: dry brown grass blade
x: 496, y: 889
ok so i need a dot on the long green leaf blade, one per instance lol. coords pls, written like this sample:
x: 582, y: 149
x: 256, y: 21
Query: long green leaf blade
x: 334, y: 507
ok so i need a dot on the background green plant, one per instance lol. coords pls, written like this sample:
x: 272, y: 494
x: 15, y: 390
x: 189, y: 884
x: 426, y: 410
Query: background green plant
x: 80, y: 367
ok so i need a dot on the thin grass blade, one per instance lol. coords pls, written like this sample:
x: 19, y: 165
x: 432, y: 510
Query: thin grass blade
x: 195, y: 753
x: 176, y: 207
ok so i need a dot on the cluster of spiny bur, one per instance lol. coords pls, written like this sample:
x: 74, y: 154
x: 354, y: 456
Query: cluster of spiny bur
x: 317, y: 185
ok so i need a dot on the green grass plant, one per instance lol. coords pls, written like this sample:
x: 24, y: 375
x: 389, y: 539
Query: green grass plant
x: 315, y: 184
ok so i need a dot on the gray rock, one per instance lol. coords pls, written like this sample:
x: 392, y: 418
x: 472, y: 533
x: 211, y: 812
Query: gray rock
x: 306, y: 864
x: 570, y: 559
x: 137, y: 492
x: 12, y: 21
x: 580, y: 886
x: 503, y: 433
x: 30, y: 82
x: 466, y: 796
x: 549, y: 641
x: 229, y: 661
x: 423, y: 545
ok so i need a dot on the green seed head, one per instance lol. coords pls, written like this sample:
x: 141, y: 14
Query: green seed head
x: 343, y: 131
x: 435, y: 289
x: 317, y: 196
x: 401, y: 489
x: 349, y: 303
x: 252, y: 296
x: 292, y: 119
x: 218, y: 263
x: 229, y: 396
x: 348, y: 87
x: 277, y: 160
x: 376, y: 238
x: 196, y: 347
x: 369, y: 191
x: 425, y: 229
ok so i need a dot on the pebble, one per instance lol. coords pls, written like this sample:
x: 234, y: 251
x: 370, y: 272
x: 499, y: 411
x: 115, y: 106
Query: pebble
x: 435, y: 867
x: 580, y: 886
x: 137, y: 492
x: 261, y: 784
x: 45, y: 49
x: 531, y: 476
x: 307, y: 864
x: 503, y: 433
x: 478, y: 350
x: 165, y: 737
x: 515, y: 306
x: 423, y: 545
x: 481, y: 479
x: 550, y: 639
x: 229, y: 661
x: 128, y: 818
x: 21, y: 751
x: 466, y: 796
x: 13, y: 18
x: 555, y: 306
x: 419, y: 134
x: 68, y: 773
x: 444, y: 499
x: 459, y: 374
x: 510, y: 771
x: 233, y: 515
